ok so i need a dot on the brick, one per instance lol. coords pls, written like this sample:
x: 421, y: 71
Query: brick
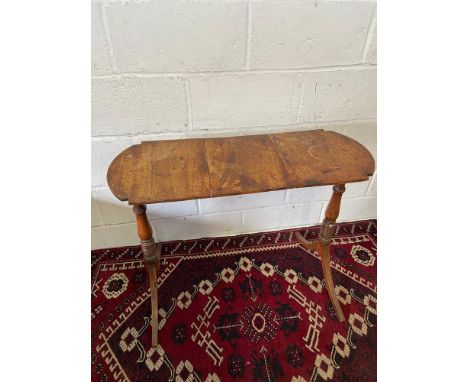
x: 103, y: 151
x: 366, y: 134
x: 113, y: 211
x: 114, y: 236
x: 100, y: 58
x: 244, y: 100
x: 172, y: 210
x: 95, y: 218
x: 292, y: 215
x: 110, y: 209
x: 194, y: 227
x: 357, y: 209
x: 304, y: 34
x: 159, y: 36
x: 309, y: 194
x: 242, y: 202
x: 356, y: 189
x: 371, y: 56
x: 176, y: 36
x: 373, y: 186
x: 121, y: 106
x: 339, y: 95
x: 323, y: 193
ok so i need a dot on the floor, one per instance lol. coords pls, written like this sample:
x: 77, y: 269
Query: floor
x: 242, y: 308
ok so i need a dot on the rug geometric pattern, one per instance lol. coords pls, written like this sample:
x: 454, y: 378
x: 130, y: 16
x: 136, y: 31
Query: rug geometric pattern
x: 252, y: 307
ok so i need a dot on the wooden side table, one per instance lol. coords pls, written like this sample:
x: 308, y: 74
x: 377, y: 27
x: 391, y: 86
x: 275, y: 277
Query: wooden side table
x: 174, y: 170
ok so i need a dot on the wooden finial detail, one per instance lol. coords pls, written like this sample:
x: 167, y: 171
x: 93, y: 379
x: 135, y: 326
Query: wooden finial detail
x: 333, y: 208
x: 323, y: 246
x: 326, y: 231
x: 328, y: 224
x: 145, y: 232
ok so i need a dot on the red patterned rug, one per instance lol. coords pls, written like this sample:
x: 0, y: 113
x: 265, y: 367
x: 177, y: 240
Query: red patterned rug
x: 243, y: 308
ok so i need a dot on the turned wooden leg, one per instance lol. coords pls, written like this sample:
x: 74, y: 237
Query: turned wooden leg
x: 309, y: 245
x: 323, y: 244
x: 151, y: 254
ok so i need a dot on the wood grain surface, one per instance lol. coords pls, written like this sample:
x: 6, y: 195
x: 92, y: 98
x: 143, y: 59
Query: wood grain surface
x: 163, y: 171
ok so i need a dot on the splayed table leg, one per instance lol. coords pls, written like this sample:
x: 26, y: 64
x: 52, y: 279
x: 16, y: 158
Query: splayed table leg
x: 151, y: 254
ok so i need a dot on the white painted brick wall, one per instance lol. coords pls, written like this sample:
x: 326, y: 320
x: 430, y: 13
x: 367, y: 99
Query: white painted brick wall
x: 339, y: 95
x: 283, y: 216
x: 191, y: 227
x: 370, y: 49
x: 100, y: 57
x: 305, y: 34
x: 178, y: 36
x: 242, y: 202
x: 130, y: 106
x: 103, y: 151
x: 174, y: 69
x: 231, y: 101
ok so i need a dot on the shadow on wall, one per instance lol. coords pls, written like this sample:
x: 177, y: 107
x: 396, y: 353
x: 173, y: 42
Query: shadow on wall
x: 113, y: 221
x: 113, y: 224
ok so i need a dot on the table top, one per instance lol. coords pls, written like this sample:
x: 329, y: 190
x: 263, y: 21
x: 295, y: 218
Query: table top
x: 183, y: 169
